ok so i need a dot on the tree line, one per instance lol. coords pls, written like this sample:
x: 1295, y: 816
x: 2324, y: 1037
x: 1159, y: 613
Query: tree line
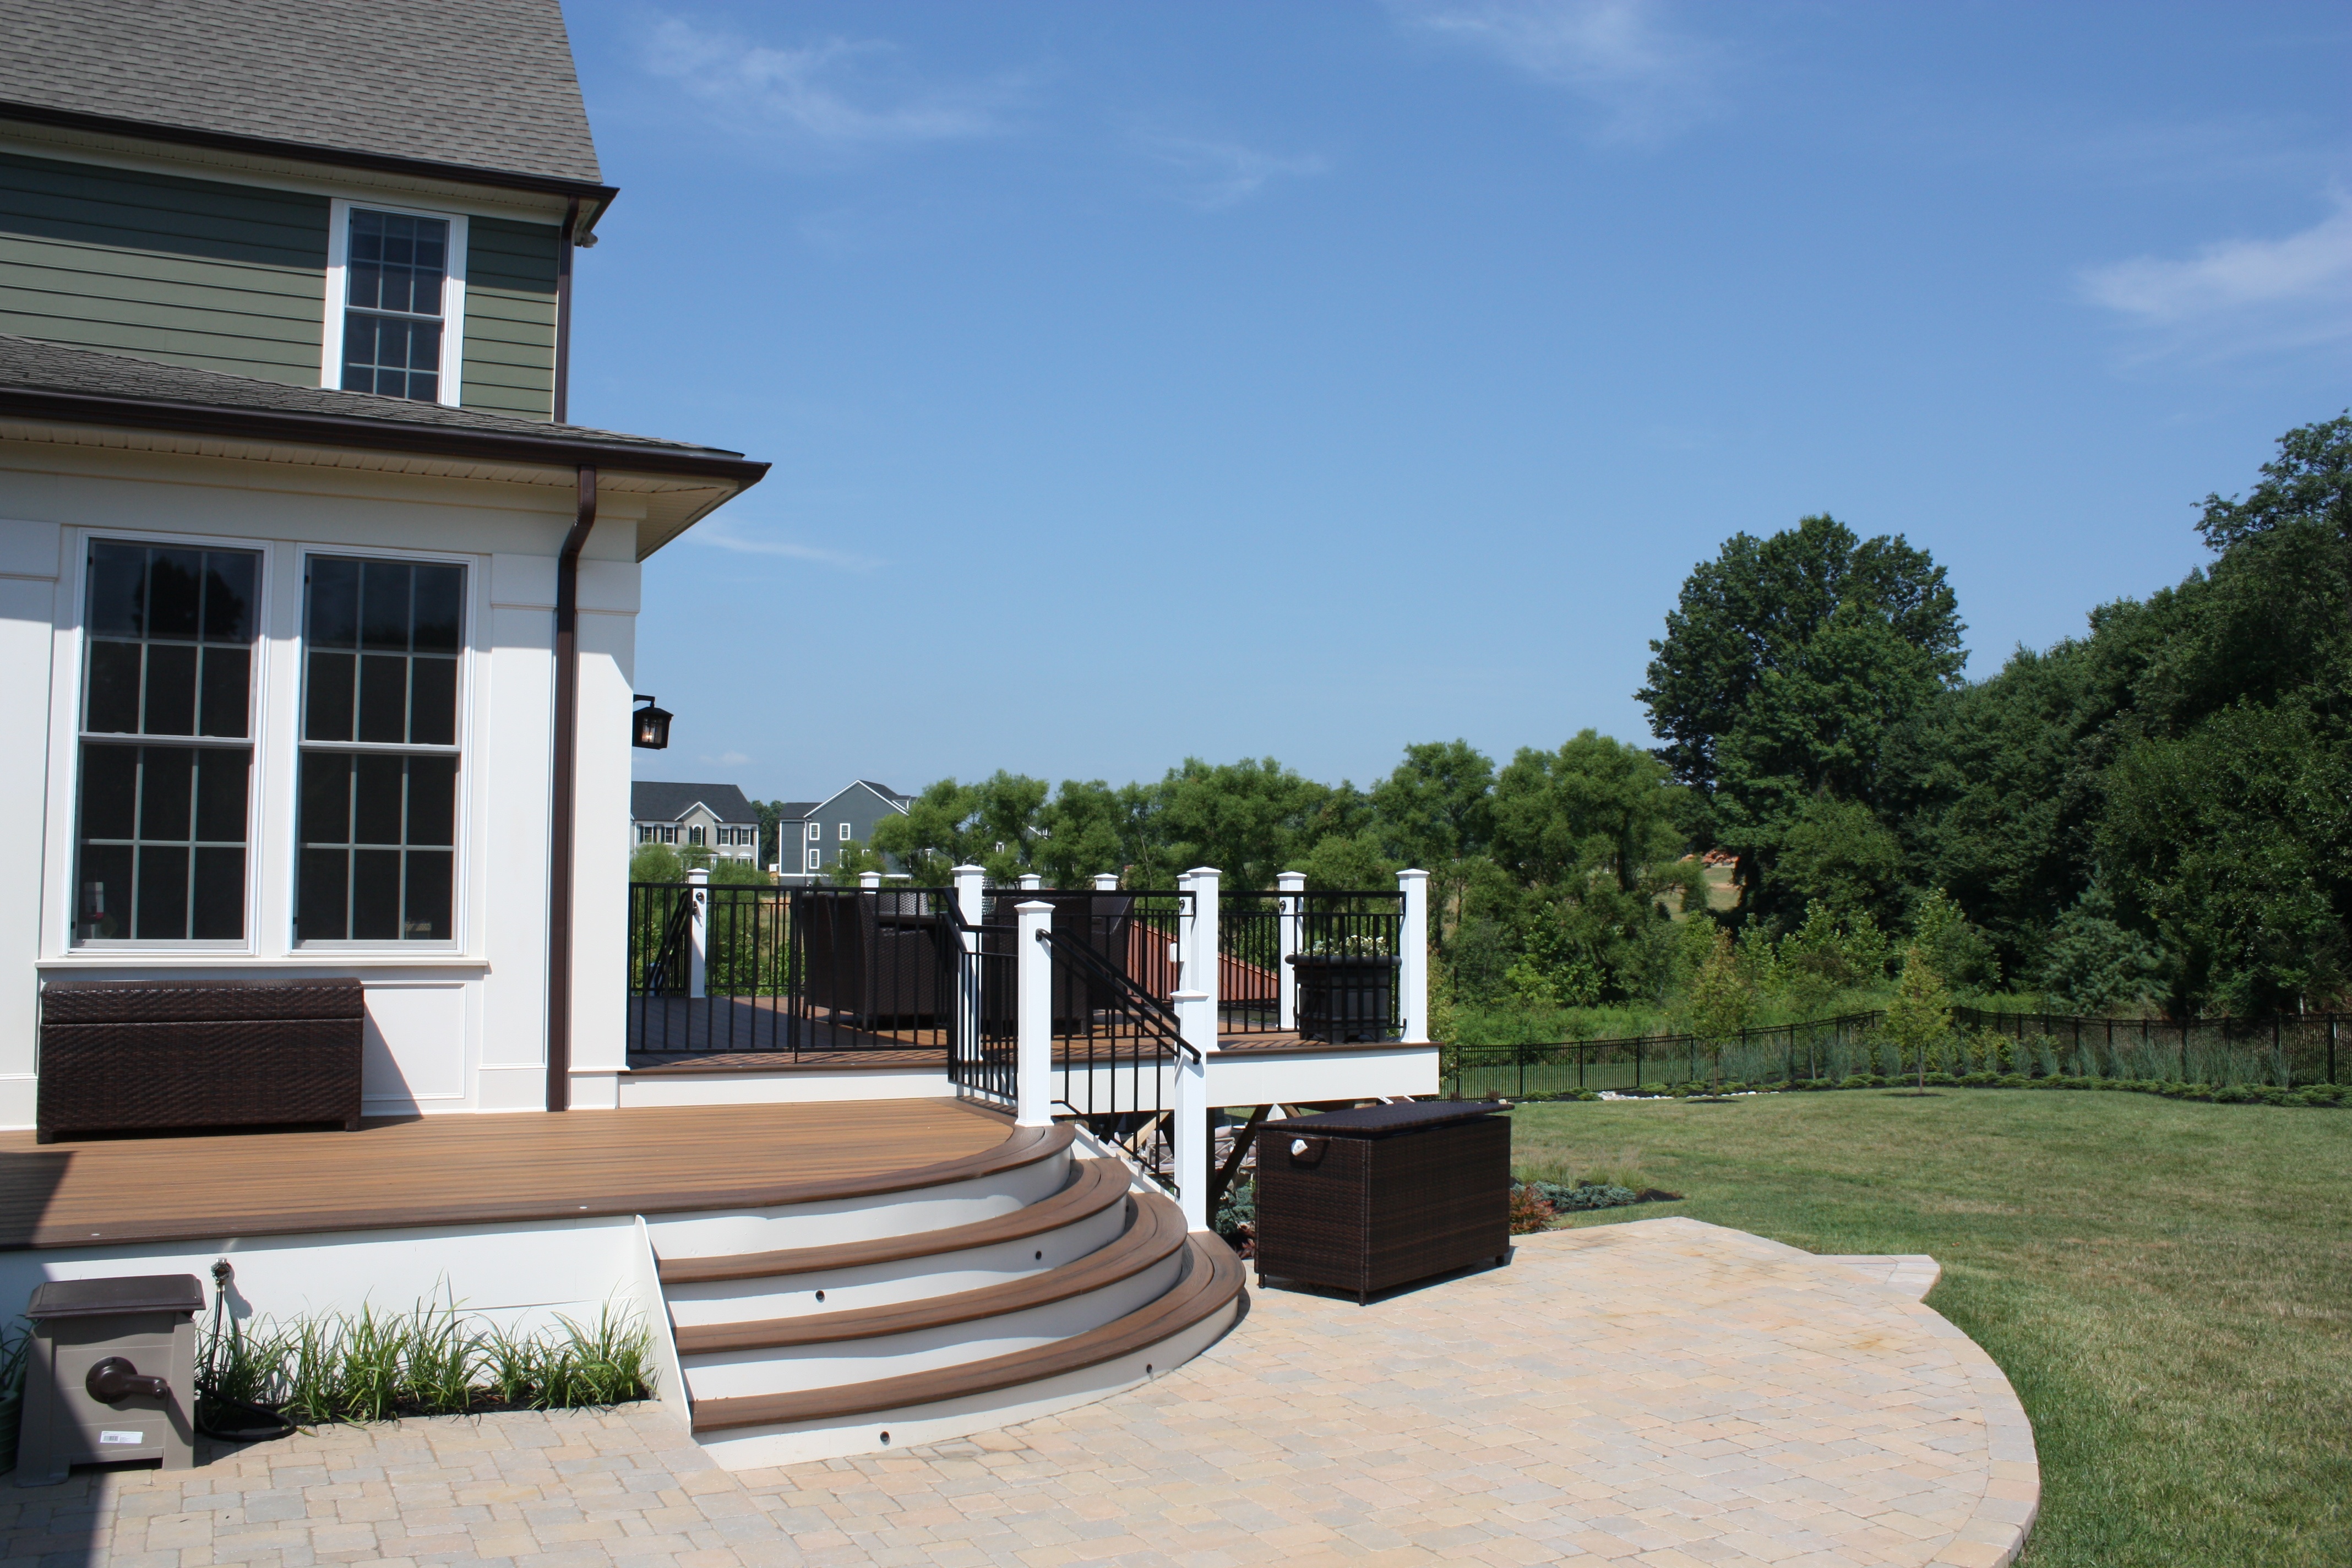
x: 2152, y: 815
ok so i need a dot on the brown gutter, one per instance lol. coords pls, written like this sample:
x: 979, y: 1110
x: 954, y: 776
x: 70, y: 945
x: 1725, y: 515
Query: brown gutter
x: 599, y: 198
x: 376, y: 435
x: 563, y: 247
x: 567, y: 771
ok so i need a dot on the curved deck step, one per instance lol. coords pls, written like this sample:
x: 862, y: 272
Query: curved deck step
x: 1156, y: 1232
x: 1213, y: 1277
x: 1098, y: 1185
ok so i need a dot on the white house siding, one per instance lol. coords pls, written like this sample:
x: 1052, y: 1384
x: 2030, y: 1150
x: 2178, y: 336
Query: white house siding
x: 448, y: 1030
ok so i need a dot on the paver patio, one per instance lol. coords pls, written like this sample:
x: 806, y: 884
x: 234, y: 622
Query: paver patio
x: 1664, y: 1393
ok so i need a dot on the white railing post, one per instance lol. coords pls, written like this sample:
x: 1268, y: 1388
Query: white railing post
x: 1033, y: 1104
x: 698, y: 974
x: 1031, y: 881
x: 1412, y: 978
x: 1196, y: 1020
x: 1293, y: 884
x: 971, y: 903
x: 1106, y: 882
x: 1204, y: 974
x: 870, y: 880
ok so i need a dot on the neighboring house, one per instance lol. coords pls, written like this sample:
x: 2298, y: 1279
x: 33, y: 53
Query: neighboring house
x: 715, y: 816
x: 318, y: 618
x: 810, y: 835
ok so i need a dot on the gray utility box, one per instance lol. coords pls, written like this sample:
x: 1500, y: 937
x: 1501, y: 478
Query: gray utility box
x: 112, y: 1374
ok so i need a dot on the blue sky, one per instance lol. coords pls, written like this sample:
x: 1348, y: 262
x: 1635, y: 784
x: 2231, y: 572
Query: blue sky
x: 1302, y: 380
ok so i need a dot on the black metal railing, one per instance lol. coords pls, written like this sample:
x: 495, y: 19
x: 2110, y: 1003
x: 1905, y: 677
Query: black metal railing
x: 1820, y: 1047
x: 1116, y: 1049
x: 982, y: 1055
x: 792, y: 970
x: 1359, y: 933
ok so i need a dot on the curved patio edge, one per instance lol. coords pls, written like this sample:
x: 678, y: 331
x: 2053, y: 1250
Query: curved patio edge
x: 1996, y: 1531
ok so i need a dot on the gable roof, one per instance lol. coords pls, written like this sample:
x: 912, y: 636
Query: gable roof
x: 795, y: 810
x: 650, y: 801
x: 890, y: 797
x: 474, y: 84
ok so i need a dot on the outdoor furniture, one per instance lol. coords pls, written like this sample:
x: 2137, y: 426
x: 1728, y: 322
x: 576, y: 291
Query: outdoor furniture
x: 1364, y: 1199
x: 111, y: 1374
x: 1344, y: 999
x: 136, y: 1055
x: 875, y: 957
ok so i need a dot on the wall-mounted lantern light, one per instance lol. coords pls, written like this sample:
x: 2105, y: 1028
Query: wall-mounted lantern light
x: 650, y: 725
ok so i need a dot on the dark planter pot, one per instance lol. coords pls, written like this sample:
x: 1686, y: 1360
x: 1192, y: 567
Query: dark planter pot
x: 1344, y: 999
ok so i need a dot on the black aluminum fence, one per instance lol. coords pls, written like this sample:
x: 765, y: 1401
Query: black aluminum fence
x: 2283, y: 1049
x: 1822, y: 1048
x: 1358, y: 931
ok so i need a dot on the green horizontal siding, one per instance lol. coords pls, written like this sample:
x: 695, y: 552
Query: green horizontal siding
x: 509, y: 360
x: 195, y: 272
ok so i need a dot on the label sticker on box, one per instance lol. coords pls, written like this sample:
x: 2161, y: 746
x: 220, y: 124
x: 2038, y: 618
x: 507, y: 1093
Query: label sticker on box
x: 133, y: 1438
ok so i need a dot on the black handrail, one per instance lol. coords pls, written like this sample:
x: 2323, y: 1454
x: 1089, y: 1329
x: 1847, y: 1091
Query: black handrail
x: 674, y: 937
x: 1157, y: 1018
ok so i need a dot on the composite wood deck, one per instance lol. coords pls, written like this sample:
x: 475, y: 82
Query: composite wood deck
x: 460, y: 1169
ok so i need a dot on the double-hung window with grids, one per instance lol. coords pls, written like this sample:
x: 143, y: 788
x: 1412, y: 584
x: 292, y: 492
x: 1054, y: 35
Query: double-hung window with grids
x: 396, y: 274
x: 166, y: 743
x: 380, y: 751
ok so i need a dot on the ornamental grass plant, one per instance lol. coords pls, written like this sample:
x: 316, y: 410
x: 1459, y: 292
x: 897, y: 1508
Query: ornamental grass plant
x: 433, y: 1360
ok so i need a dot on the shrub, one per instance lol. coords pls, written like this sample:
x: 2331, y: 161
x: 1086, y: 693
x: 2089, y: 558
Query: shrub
x: 1530, y: 1212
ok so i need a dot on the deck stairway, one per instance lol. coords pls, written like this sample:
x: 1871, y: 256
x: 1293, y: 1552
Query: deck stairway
x: 935, y: 1303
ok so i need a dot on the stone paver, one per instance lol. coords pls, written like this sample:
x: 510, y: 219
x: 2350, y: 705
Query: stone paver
x: 1664, y: 1393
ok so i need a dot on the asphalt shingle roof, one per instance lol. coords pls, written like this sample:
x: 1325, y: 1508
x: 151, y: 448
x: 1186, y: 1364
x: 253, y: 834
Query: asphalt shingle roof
x: 655, y: 802
x: 30, y: 364
x: 480, y: 84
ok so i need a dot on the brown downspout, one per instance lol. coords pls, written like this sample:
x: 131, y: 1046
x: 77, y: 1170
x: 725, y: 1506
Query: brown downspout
x: 567, y: 771
x: 563, y: 249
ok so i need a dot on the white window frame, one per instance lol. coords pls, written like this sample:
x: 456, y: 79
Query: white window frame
x: 845, y: 833
x: 69, y: 685
x: 817, y: 832
x: 815, y: 859
x: 452, y: 294
x: 289, y: 834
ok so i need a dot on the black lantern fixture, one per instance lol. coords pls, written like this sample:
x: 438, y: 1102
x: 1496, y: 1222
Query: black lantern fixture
x: 650, y: 725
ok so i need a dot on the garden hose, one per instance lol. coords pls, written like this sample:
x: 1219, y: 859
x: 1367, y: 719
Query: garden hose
x: 233, y: 1420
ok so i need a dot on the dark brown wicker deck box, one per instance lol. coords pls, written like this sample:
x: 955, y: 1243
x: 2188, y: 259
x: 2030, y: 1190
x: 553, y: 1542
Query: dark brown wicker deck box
x: 133, y: 1054
x: 1365, y: 1199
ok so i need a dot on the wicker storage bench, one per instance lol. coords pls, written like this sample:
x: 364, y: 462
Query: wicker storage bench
x: 1365, y: 1199
x: 132, y: 1055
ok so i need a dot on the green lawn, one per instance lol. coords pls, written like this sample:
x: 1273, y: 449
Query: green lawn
x: 2168, y: 1285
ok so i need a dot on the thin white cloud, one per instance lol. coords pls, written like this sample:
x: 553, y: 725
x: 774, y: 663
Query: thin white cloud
x: 1647, y: 79
x: 1218, y: 173
x: 835, y: 92
x: 2239, y: 294
x: 728, y: 759
x: 722, y: 536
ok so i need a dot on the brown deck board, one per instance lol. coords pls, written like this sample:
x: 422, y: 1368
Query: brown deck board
x: 470, y: 1168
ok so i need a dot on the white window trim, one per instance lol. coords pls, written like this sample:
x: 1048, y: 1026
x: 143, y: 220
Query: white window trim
x: 66, y: 710
x: 289, y: 833
x: 452, y: 294
x: 815, y: 859
x: 845, y: 833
